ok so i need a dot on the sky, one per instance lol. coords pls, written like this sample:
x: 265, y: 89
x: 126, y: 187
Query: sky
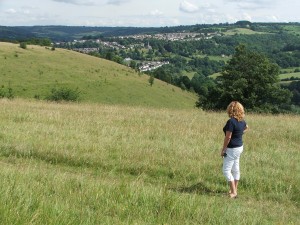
x: 144, y: 13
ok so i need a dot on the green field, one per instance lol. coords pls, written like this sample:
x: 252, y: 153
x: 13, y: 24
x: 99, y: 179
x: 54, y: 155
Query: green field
x: 34, y: 71
x: 292, y: 29
x: 108, y: 164
x: 215, y: 75
x: 289, y: 75
x: 214, y: 57
x: 281, y: 76
x: 129, y: 153
x: 241, y: 31
x: 188, y: 74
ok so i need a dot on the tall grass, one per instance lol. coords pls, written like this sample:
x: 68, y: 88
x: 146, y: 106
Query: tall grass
x: 104, y: 164
x: 35, y: 71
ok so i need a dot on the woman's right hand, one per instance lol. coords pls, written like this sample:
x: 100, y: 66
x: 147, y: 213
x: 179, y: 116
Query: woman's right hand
x: 223, y: 152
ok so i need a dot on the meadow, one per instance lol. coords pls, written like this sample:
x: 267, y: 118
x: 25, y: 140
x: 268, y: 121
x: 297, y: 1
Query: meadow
x: 33, y: 72
x: 86, y: 163
x: 242, y: 31
x: 292, y: 29
x: 289, y: 75
x: 280, y: 76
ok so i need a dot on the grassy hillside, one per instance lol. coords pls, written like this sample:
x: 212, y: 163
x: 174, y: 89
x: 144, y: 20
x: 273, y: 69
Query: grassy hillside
x: 293, y: 29
x: 289, y: 75
x: 242, y: 31
x: 36, y: 70
x: 104, y: 164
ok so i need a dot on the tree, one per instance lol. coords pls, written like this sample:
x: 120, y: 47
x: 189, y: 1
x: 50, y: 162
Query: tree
x: 202, y: 84
x: 151, y: 80
x: 133, y: 64
x: 186, y: 81
x: 250, y: 78
x: 294, y: 87
x: 164, y: 73
x: 23, y: 45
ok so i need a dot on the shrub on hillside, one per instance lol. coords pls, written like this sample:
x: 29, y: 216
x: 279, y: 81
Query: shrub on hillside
x: 23, y: 45
x: 151, y: 80
x: 6, y: 93
x: 63, y: 94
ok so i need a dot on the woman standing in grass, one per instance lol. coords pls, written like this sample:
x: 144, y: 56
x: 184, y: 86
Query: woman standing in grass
x: 233, y: 145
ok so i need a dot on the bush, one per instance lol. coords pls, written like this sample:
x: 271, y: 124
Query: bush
x: 63, y: 94
x: 151, y: 80
x: 23, y: 45
x: 6, y: 93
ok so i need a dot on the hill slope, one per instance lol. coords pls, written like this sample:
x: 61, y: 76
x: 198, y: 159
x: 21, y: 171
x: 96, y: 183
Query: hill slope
x: 101, y: 164
x: 36, y: 70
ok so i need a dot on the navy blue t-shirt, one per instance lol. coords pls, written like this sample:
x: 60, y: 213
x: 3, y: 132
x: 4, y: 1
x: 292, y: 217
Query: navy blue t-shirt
x: 237, y: 128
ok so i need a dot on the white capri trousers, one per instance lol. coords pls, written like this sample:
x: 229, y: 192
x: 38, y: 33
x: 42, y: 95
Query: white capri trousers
x: 231, y: 163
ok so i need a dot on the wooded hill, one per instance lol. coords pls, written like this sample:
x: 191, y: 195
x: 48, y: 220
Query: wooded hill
x: 193, y: 61
x: 67, y: 33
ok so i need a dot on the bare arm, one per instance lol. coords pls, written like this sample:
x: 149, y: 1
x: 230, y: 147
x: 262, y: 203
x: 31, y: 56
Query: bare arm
x: 246, y: 128
x: 226, y: 142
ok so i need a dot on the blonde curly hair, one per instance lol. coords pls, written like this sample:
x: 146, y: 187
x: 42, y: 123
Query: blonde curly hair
x: 236, y: 110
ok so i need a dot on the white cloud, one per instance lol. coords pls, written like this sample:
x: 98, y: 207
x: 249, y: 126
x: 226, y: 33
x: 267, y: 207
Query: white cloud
x: 253, y: 1
x: 246, y: 16
x: 11, y: 11
x: 145, y: 13
x: 274, y: 18
x: 253, y: 4
x: 76, y: 2
x: 249, y: 5
x: 117, y: 2
x: 188, y: 7
x: 156, y: 12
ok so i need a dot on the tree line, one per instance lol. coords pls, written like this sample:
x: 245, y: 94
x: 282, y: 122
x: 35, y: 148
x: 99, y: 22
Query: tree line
x: 257, y: 85
x: 262, y: 52
x: 249, y: 77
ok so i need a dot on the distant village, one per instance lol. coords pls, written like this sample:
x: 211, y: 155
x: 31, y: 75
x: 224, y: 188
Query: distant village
x: 146, y: 66
x: 184, y: 36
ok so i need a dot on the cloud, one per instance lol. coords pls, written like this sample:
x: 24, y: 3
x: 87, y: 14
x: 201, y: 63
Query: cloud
x: 77, y: 2
x: 11, y: 11
x: 188, y: 7
x: 252, y: 1
x: 274, y: 18
x: 117, y: 2
x: 156, y: 12
x: 253, y: 4
x: 246, y: 16
x: 20, y: 12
